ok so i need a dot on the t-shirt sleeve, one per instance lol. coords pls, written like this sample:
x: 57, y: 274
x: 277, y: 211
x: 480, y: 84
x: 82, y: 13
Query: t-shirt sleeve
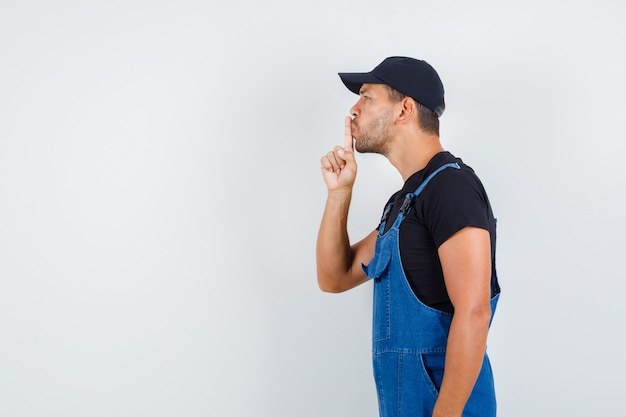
x: 455, y: 199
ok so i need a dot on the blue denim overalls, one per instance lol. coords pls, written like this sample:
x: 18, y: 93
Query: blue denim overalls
x: 409, y: 338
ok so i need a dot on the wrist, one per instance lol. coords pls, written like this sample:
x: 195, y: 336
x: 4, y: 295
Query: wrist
x: 340, y: 194
x: 445, y: 410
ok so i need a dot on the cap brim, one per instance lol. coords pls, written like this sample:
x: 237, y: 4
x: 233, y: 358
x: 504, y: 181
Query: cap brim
x: 354, y: 80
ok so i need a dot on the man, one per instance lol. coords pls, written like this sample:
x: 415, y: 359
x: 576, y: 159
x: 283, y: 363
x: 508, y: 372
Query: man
x: 432, y: 258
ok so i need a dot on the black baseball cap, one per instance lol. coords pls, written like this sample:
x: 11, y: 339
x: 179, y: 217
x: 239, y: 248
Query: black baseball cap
x: 412, y: 77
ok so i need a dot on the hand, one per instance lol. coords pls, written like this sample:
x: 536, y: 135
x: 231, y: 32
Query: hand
x: 339, y: 165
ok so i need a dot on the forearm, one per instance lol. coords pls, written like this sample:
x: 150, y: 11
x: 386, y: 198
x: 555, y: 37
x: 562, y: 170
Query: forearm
x: 466, y: 347
x: 333, y: 255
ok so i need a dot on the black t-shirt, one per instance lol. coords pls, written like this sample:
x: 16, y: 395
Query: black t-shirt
x: 452, y: 200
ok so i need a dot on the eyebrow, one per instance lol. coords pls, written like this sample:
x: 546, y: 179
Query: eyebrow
x: 362, y: 91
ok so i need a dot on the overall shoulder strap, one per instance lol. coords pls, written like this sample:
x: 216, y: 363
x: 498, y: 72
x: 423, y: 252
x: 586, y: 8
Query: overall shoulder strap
x: 431, y: 176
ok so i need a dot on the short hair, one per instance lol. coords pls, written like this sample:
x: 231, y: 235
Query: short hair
x: 428, y: 119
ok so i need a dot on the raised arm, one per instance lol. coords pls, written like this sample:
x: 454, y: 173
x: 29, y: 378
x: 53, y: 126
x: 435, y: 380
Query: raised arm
x: 339, y: 263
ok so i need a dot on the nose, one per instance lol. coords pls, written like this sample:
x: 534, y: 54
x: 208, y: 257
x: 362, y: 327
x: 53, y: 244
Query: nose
x: 355, y: 110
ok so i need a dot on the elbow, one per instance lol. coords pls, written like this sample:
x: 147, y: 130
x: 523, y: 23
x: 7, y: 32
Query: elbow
x: 478, y: 315
x: 328, y: 290
x: 330, y: 284
x: 329, y: 287
x: 481, y: 313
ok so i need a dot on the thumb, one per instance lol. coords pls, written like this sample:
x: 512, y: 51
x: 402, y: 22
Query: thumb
x: 347, y: 155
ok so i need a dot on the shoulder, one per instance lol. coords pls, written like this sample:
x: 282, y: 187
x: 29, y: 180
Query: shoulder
x: 456, y: 183
x: 446, y: 175
x: 454, y: 199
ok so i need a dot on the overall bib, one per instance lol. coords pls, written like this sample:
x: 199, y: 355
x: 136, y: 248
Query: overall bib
x: 409, y: 338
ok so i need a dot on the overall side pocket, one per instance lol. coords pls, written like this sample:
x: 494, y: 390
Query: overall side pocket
x: 381, y: 329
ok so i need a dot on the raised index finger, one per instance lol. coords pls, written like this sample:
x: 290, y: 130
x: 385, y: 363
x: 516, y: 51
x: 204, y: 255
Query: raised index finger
x: 348, y: 140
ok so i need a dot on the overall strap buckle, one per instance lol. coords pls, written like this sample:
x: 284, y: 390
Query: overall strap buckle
x: 386, y: 213
x: 406, y: 204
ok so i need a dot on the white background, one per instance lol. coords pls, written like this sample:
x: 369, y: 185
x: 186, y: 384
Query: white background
x: 160, y: 196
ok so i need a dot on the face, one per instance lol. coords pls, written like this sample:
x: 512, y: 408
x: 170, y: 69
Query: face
x: 372, y: 119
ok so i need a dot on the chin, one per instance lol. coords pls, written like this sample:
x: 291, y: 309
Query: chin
x: 360, y: 149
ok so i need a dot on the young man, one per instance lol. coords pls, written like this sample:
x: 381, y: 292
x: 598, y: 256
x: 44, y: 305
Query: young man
x: 432, y: 258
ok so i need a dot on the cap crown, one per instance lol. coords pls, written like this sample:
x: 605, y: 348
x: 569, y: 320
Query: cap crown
x: 412, y: 77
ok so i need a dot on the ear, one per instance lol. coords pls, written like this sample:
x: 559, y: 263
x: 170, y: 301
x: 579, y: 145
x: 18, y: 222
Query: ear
x: 407, y: 109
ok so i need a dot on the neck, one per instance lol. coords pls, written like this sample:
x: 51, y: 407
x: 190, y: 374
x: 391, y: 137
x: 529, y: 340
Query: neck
x: 413, y: 153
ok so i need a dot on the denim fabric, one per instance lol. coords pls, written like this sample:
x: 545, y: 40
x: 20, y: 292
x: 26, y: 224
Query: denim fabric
x: 409, y: 338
